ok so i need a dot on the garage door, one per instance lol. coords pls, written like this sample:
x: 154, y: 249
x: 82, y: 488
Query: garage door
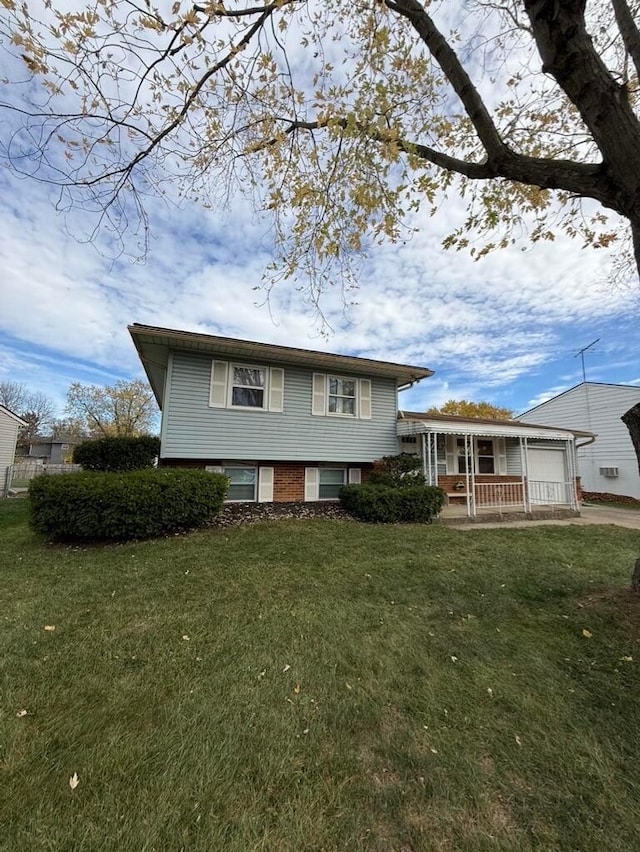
x: 547, y: 476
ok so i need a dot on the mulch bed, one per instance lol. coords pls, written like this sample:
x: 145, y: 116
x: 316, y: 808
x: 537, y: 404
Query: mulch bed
x: 235, y: 514
x: 608, y: 497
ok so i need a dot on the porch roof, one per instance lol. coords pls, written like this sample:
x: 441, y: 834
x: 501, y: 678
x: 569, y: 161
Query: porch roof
x: 415, y: 423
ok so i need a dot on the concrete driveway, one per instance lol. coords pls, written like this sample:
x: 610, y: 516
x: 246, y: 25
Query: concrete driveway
x: 588, y: 515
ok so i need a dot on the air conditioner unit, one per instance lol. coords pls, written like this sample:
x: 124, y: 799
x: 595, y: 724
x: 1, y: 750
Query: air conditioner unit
x: 610, y: 472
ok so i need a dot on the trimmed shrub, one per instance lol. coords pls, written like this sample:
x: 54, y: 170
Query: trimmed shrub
x: 397, y: 471
x: 119, y: 506
x: 386, y: 504
x: 117, y: 453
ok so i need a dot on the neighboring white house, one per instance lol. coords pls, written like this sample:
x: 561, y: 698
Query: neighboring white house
x: 10, y: 424
x: 609, y: 463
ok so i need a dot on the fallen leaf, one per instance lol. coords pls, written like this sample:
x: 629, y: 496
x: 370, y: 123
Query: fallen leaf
x: 286, y: 669
x: 434, y: 750
x: 348, y: 685
x: 626, y: 659
x: 454, y: 659
x: 49, y: 627
x: 74, y: 781
x: 587, y: 634
x: 21, y: 713
x: 296, y: 688
x: 186, y: 638
x: 518, y: 740
x: 489, y: 691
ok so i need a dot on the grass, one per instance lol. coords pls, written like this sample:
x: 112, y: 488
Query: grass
x: 614, y: 504
x: 320, y: 685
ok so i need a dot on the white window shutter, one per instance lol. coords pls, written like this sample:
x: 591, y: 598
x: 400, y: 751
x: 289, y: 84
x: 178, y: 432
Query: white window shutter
x: 354, y: 476
x: 319, y: 403
x: 214, y: 468
x: 365, y: 399
x: 500, y: 448
x: 218, y: 387
x: 276, y: 389
x: 311, y: 483
x: 265, y: 485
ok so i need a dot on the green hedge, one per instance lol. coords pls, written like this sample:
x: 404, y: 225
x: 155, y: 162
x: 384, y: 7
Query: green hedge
x: 117, y: 453
x: 119, y: 506
x: 385, y: 504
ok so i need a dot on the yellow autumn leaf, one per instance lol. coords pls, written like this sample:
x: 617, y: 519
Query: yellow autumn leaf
x: 587, y: 634
x: 74, y: 781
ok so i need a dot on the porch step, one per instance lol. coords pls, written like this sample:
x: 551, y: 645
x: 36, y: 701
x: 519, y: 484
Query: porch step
x: 508, y: 517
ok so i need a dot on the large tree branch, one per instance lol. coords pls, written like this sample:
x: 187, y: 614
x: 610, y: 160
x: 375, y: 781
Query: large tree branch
x: 582, y: 179
x: 568, y: 54
x: 454, y: 71
x: 628, y: 30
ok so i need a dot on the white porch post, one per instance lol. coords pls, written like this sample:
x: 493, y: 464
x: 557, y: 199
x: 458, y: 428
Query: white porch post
x: 469, y: 476
x: 523, y: 478
x: 426, y: 463
x: 435, y: 457
x: 525, y: 474
x: 573, y: 470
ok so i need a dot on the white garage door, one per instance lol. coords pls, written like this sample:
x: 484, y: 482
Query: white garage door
x: 547, y: 476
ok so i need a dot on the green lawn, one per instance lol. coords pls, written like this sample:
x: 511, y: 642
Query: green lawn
x: 320, y: 685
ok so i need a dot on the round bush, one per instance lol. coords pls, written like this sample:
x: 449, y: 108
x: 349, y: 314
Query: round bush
x: 385, y: 504
x: 121, y: 506
x: 117, y: 453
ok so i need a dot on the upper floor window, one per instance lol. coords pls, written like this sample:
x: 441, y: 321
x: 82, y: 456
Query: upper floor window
x: 345, y: 397
x: 342, y: 396
x: 248, y: 387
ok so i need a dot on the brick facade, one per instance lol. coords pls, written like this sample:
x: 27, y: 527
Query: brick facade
x: 288, y: 477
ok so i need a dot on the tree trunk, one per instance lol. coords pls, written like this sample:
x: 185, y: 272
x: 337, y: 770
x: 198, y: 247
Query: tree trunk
x: 631, y: 420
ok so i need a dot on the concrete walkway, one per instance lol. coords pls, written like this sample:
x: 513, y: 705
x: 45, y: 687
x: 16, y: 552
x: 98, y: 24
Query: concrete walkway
x: 588, y: 515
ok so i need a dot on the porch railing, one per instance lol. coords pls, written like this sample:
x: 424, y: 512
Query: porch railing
x: 496, y: 495
x: 551, y: 493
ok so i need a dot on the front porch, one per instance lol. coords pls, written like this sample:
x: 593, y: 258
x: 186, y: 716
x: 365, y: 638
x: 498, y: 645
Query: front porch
x: 494, y: 469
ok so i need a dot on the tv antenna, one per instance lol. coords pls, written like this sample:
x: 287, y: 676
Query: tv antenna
x: 581, y: 352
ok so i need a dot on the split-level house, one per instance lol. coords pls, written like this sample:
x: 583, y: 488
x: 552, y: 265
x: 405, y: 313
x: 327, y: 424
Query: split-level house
x: 287, y: 424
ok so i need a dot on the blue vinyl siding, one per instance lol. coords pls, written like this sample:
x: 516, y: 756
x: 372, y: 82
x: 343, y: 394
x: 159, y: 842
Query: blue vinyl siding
x: 191, y: 429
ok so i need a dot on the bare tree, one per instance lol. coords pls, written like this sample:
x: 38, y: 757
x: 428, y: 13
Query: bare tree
x: 13, y: 395
x: 126, y: 408
x: 36, y: 408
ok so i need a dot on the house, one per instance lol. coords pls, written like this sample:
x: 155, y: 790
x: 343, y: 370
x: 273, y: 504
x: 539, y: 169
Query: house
x: 283, y: 424
x: 609, y: 464
x: 288, y: 424
x: 49, y: 450
x: 10, y: 425
x: 498, y: 465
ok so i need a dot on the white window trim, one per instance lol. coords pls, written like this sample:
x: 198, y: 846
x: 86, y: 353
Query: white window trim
x: 355, y: 397
x: 352, y: 476
x: 320, y: 394
x: 220, y: 468
x: 221, y: 387
x: 264, y: 388
x: 499, y: 456
x: 345, y: 473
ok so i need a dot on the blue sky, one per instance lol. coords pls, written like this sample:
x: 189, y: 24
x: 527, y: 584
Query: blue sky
x: 505, y: 329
